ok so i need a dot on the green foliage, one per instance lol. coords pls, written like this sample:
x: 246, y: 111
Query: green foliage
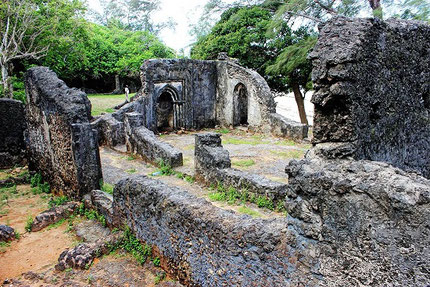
x: 132, y: 170
x: 156, y: 261
x: 35, y: 180
x: 56, y: 224
x: 29, y: 223
x: 231, y: 195
x: 107, y: 187
x: 189, y: 179
x: 164, y: 168
x: 223, y: 131
x: 58, y: 200
x: 38, y: 186
x: 91, y: 214
x: 132, y: 245
x: 17, y: 235
x: 160, y: 277
x: 249, y: 211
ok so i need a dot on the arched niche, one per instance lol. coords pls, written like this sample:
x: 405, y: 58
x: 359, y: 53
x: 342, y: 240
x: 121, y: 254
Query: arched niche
x: 168, y: 109
x: 240, y: 105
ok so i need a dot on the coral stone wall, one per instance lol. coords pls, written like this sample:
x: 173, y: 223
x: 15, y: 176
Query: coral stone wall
x: 12, y: 126
x: 62, y: 144
x: 373, y: 90
x: 195, y: 83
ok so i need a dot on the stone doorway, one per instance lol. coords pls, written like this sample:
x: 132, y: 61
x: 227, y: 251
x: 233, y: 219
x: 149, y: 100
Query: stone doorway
x: 240, y: 105
x: 165, y: 112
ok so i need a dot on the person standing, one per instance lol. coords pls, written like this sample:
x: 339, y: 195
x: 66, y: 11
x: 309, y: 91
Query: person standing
x: 127, y: 91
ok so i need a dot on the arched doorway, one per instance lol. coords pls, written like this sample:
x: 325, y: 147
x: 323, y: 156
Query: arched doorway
x: 240, y: 105
x: 165, y: 112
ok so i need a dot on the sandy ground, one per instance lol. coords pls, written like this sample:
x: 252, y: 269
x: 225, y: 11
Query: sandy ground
x: 33, y: 251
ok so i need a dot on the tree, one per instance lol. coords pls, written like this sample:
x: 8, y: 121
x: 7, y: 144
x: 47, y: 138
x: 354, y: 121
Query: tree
x: 294, y: 65
x: 242, y: 33
x: 280, y: 57
x: 133, y: 15
x: 26, y: 29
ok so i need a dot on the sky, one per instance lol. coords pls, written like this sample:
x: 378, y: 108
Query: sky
x: 183, y: 12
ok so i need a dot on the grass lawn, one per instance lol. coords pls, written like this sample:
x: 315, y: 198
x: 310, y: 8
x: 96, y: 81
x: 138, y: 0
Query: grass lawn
x: 104, y: 103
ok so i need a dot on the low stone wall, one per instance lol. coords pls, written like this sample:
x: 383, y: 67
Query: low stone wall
x: 110, y: 131
x: 12, y: 126
x: 203, y: 245
x: 371, y: 220
x: 212, y: 165
x: 61, y: 143
x: 283, y: 127
x: 143, y: 142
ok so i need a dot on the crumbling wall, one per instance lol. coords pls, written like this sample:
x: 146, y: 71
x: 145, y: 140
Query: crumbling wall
x: 12, y: 126
x: 143, y: 142
x: 203, y: 245
x: 61, y: 143
x: 371, y: 220
x: 196, y: 97
x: 260, y: 98
x: 213, y: 165
x: 372, y: 90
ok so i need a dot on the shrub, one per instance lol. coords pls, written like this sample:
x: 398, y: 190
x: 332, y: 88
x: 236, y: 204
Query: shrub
x: 29, y: 223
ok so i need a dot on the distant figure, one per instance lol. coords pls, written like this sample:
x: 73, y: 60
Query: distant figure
x: 127, y: 91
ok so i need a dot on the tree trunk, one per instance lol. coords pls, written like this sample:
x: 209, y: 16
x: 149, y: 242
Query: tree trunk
x: 300, y: 103
x: 118, y: 89
x: 6, y: 81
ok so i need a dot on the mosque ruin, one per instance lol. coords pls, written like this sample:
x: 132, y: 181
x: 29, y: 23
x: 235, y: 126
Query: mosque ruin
x: 358, y: 204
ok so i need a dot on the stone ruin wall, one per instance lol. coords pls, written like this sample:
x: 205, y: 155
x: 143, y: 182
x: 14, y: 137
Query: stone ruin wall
x: 196, y: 81
x: 12, y: 127
x: 260, y: 100
x: 61, y: 143
x: 372, y: 91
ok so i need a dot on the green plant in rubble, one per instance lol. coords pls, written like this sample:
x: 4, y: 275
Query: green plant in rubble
x: 35, y: 180
x: 164, y: 168
x: 58, y: 200
x: 91, y: 214
x: 160, y: 277
x: 29, y: 223
x: 156, y: 261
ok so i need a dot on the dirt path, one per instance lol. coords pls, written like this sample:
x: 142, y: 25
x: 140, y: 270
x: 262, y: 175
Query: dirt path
x: 35, y: 251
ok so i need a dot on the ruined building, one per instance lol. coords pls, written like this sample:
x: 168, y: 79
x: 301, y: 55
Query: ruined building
x: 358, y: 204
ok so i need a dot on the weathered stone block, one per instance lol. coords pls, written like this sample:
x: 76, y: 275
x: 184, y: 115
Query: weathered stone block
x: 7, y: 233
x: 203, y: 245
x: 61, y: 143
x: 110, y: 131
x: 144, y: 143
x: 53, y: 215
x: 372, y: 220
x: 283, y: 127
x: 102, y: 202
x: 209, y: 153
x: 12, y: 123
x: 372, y: 90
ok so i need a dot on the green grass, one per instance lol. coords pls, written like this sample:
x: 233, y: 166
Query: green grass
x: 246, y: 210
x: 289, y: 154
x: 4, y: 246
x: 243, y: 162
x: 58, y: 200
x: 56, y: 224
x: 29, y: 223
x: 102, y: 103
x: 223, y: 131
x: 131, y: 171
x: 107, y: 187
x: 248, y: 141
